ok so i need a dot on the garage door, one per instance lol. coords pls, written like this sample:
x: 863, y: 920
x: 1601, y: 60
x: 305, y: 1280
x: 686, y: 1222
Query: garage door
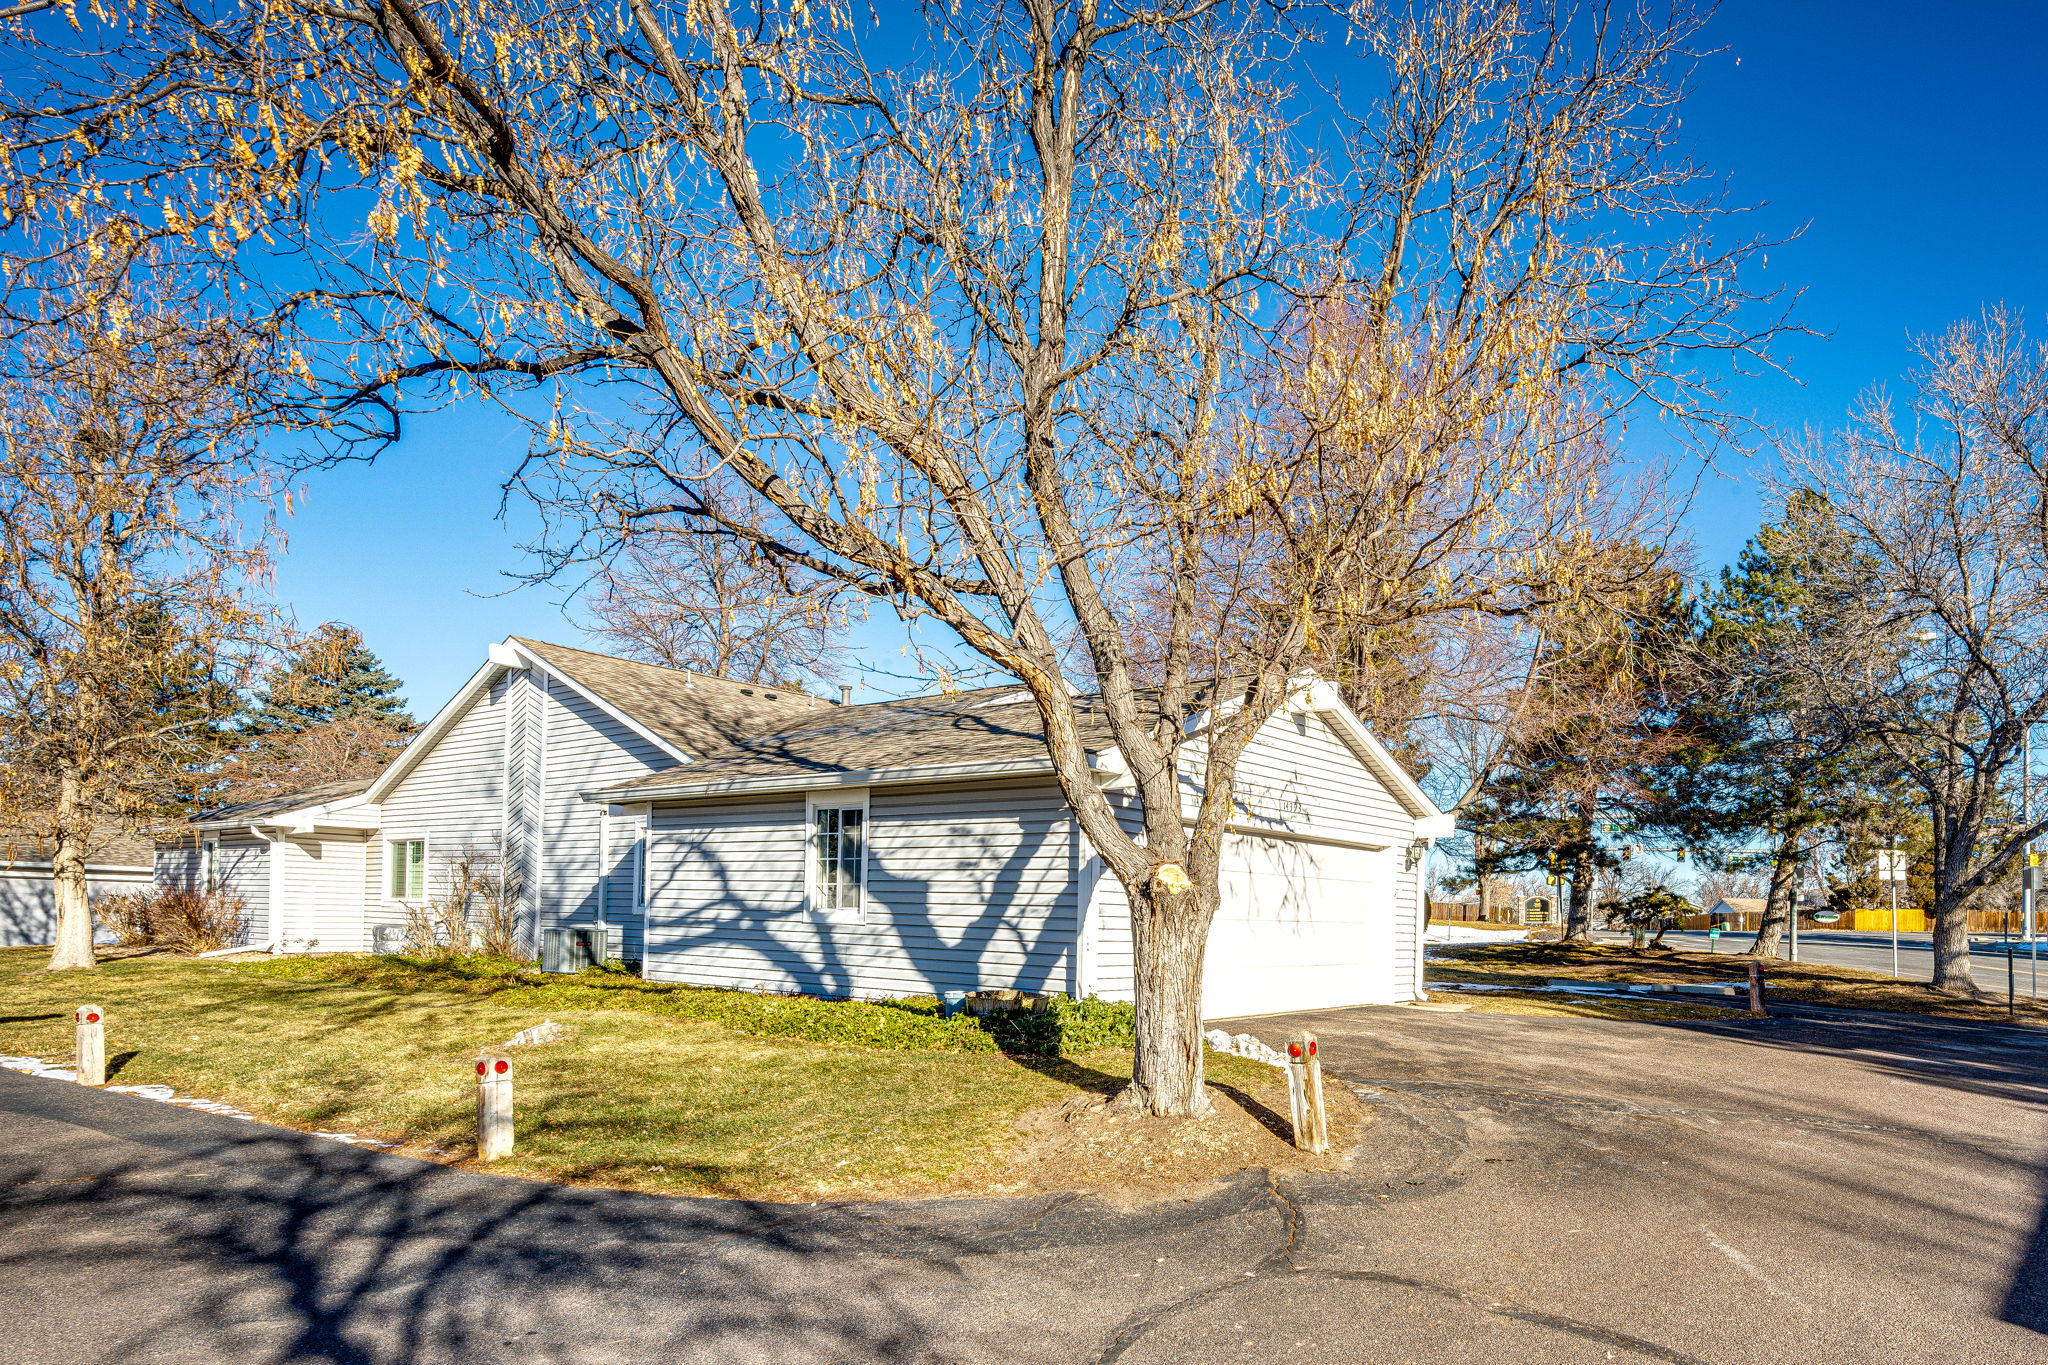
x: 1301, y: 926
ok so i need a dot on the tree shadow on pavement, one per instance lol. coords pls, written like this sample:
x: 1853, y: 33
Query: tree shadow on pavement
x: 197, y: 1238
x: 1988, y: 1060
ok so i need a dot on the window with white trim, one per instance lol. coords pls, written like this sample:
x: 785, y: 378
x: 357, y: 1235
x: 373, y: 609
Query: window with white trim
x: 839, y: 860
x: 640, y: 864
x: 209, y: 864
x: 408, y: 864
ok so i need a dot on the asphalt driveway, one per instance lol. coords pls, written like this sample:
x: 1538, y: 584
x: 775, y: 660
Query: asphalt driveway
x: 1852, y: 1188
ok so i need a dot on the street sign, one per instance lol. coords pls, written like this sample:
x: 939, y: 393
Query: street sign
x: 1827, y: 917
x: 1891, y: 865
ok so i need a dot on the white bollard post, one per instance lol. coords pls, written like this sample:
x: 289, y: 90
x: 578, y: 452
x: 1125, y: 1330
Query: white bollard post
x: 92, y: 1046
x: 493, y: 1108
x: 1305, y: 1093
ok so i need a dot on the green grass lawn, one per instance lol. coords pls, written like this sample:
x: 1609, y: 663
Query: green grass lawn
x: 636, y: 1097
x: 1510, y: 964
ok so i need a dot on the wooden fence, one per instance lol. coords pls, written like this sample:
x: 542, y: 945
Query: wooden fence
x: 1912, y: 920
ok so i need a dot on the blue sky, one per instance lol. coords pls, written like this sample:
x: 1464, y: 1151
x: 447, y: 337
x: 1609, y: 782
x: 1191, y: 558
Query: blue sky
x: 1905, y: 139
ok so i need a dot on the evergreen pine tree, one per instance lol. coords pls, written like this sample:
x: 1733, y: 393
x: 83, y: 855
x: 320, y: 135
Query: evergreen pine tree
x: 331, y: 677
x: 330, y: 711
x: 1762, y: 764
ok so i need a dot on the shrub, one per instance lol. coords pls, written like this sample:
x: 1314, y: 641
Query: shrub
x: 126, y: 917
x: 188, y: 921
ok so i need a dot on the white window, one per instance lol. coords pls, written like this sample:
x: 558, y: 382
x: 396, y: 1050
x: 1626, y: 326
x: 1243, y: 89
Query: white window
x: 640, y: 865
x: 408, y: 863
x: 838, y: 859
x: 209, y: 864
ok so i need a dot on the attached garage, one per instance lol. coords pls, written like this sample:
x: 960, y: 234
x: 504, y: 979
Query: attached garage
x: 1302, y: 925
x: 922, y: 846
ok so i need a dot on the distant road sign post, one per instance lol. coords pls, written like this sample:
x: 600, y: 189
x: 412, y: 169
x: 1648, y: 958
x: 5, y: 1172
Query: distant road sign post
x: 1891, y: 867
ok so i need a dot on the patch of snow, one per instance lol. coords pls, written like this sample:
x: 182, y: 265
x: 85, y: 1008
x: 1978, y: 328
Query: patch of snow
x: 1469, y: 933
x: 1244, y: 1045
x: 547, y: 1031
x: 163, y: 1094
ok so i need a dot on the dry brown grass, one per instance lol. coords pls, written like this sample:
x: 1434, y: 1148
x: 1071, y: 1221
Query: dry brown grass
x: 1510, y: 964
x: 629, y: 1099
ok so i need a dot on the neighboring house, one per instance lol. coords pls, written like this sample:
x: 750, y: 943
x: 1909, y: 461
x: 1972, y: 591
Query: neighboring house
x: 28, y: 898
x: 756, y: 837
x: 300, y: 862
x: 1736, y: 912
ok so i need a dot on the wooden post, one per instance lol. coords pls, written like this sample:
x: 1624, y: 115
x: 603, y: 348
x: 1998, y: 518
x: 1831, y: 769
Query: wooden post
x: 493, y: 1108
x: 1756, y: 986
x: 92, y: 1046
x: 1305, y: 1094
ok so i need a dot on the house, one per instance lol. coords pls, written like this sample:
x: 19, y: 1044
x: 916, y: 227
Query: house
x: 300, y: 862
x: 114, y: 863
x: 756, y: 837
x: 1736, y: 912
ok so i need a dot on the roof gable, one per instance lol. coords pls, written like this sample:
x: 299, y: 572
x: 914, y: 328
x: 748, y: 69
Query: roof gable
x: 692, y: 713
x: 683, y: 714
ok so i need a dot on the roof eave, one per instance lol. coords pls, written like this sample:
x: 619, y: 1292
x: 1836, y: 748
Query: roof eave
x: 1105, y: 766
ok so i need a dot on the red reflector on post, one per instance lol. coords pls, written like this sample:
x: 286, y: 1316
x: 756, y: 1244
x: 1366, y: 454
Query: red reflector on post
x: 503, y: 1066
x: 92, y: 1018
x: 479, y: 1068
x: 1311, y: 1049
x: 1294, y: 1049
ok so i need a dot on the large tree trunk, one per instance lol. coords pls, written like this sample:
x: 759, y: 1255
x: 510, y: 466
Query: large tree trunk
x: 1952, y: 974
x: 73, y: 948
x: 1779, y: 900
x: 1169, y: 933
x: 1579, y: 919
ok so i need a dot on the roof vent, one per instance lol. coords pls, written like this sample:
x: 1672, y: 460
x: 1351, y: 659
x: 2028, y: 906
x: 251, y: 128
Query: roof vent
x: 846, y: 694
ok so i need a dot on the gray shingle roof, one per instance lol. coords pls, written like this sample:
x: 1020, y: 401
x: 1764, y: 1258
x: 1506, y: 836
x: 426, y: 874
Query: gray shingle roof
x: 985, y: 725
x: 265, y: 807
x: 695, y: 712
x: 109, y: 846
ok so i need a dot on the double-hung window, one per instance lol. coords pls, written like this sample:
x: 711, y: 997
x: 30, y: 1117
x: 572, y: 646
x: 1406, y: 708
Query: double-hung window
x: 408, y: 864
x: 209, y: 865
x: 839, y: 860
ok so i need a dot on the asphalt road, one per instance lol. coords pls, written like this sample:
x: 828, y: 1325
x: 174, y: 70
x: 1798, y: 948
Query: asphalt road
x: 1873, y: 953
x: 1826, y: 1188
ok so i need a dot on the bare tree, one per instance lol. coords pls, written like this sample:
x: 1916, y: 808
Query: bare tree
x: 123, y: 567
x: 1722, y: 884
x: 1051, y: 329
x: 712, y: 604
x: 1931, y: 537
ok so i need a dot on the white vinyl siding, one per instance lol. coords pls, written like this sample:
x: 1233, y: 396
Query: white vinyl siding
x: 28, y: 897
x: 453, y: 797
x: 584, y: 749
x: 320, y: 880
x: 242, y: 867
x: 967, y: 886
